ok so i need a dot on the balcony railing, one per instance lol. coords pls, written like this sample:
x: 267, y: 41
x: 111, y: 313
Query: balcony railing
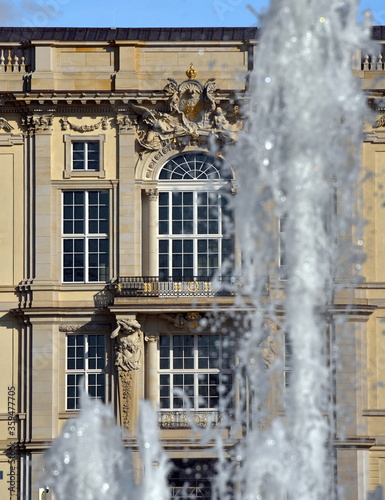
x: 153, y: 286
x: 375, y: 61
x: 203, y: 492
x: 187, y: 419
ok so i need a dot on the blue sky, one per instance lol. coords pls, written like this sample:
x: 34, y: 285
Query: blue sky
x: 143, y: 13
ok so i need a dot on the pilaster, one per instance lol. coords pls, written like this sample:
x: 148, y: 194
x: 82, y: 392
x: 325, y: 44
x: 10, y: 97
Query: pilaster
x: 128, y: 230
x: 40, y: 127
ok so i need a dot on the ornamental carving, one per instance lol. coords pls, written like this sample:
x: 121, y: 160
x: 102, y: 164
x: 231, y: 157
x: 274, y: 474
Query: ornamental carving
x: 37, y: 123
x: 126, y: 393
x: 152, y: 193
x: 5, y: 125
x: 125, y: 123
x: 180, y: 322
x: 268, y: 351
x: 194, y: 112
x: 129, y: 341
x: 380, y: 122
x: 66, y: 124
x: 87, y: 328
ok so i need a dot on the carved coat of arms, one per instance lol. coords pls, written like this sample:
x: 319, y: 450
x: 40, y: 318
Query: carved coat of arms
x: 194, y: 111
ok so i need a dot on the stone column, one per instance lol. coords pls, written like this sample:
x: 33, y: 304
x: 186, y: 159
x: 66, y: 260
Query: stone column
x: 153, y: 195
x: 152, y: 369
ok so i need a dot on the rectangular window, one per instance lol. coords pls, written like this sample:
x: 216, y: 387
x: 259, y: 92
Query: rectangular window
x: 86, y: 366
x: 193, y: 241
x: 85, y: 155
x: 85, y: 236
x: 194, y: 371
x: 288, y: 359
x: 282, y: 264
x: 191, y: 478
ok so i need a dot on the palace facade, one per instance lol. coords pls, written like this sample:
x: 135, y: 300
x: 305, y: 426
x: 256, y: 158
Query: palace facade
x: 113, y: 210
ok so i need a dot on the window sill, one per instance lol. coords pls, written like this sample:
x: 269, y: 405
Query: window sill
x: 99, y: 174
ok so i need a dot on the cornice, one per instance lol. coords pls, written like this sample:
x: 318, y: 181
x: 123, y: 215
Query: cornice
x: 55, y: 100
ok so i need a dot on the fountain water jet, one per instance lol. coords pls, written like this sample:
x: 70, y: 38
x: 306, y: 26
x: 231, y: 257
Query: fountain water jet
x: 301, y: 152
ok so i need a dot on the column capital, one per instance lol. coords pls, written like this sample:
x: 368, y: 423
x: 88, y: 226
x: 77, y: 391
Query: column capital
x: 152, y: 193
x: 37, y: 123
x: 151, y: 338
x: 126, y: 123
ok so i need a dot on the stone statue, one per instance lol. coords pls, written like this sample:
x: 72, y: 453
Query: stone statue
x: 129, y: 338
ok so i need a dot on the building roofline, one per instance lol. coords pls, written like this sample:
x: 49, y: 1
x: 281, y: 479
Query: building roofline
x: 26, y: 34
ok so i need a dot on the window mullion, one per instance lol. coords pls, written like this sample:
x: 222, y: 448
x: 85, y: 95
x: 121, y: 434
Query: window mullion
x: 195, y: 233
x: 86, y: 235
x: 170, y: 233
x: 86, y: 156
x: 196, y: 373
x: 86, y: 363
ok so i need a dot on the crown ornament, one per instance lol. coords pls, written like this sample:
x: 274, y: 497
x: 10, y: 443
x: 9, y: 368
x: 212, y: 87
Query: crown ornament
x: 191, y: 72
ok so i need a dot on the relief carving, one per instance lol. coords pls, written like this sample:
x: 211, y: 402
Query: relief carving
x: 193, y: 112
x: 87, y: 328
x: 66, y: 124
x: 180, y: 322
x: 5, y: 125
x: 37, y: 123
x: 125, y: 123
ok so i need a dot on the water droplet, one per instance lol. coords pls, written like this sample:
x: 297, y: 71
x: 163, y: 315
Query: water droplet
x: 105, y: 487
x: 201, y: 52
x: 268, y: 79
x: 268, y: 145
x: 360, y: 242
x: 266, y: 161
x: 322, y: 20
x: 55, y: 472
x: 147, y: 445
x: 67, y: 458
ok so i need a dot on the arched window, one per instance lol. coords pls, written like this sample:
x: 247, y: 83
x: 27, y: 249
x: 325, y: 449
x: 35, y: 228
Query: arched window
x: 194, y: 235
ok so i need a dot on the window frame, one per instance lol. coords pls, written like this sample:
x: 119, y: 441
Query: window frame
x: 193, y: 402
x: 86, y: 236
x: 202, y: 184
x: 69, y: 140
x: 86, y: 371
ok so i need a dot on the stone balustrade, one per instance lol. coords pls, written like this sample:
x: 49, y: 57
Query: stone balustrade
x: 13, y: 60
x: 374, y: 62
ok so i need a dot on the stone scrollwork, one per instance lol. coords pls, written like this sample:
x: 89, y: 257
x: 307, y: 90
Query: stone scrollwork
x: 66, y: 124
x: 129, y: 340
x: 193, y: 112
